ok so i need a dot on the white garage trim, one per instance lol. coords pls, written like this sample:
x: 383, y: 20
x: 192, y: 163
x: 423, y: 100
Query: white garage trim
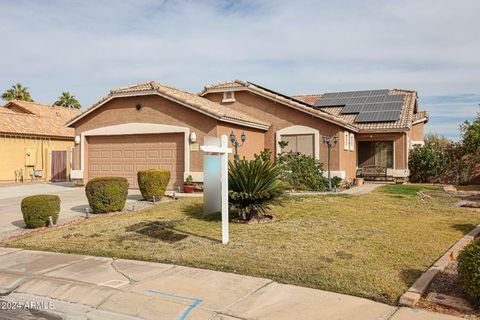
x: 132, y: 129
x: 299, y: 130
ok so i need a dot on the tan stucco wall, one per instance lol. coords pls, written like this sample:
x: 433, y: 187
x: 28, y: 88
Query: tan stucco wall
x: 158, y: 110
x: 348, y: 158
x: 417, y: 132
x: 399, y: 145
x: 281, y: 116
x: 254, y: 142
x: 13, y: 156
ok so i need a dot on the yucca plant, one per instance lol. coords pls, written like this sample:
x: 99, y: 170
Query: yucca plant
x: 254, y: 185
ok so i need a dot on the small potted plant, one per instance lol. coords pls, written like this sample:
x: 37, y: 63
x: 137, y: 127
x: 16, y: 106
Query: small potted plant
x: 188, y: 186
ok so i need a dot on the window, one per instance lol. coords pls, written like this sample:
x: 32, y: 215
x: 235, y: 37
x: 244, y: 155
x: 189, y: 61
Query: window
x: 346, y: 141
x: 379, y: 153
x: 228, y: 96
x: 300, y: 143
x: 352, y: 142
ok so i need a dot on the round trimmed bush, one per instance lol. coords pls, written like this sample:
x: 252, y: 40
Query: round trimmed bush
x: 469, y: 271
x: 37, y: 209
x: 107, y: 194
x: 153, y: 182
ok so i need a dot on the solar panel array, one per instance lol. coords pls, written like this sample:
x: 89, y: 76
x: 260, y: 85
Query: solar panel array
x: 371, y: 106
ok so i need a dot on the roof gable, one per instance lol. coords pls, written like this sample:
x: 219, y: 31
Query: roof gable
x: 277, y: 97
x: 184, y: 98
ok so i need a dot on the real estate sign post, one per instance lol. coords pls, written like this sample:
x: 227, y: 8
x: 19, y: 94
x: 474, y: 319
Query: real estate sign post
x: 215, y: 181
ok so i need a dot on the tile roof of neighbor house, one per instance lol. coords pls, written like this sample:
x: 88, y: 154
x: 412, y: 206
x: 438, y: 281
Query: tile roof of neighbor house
x: 35, y: 119
x: 408, y: 112
x: 188, y: 99
x: 290, y: 101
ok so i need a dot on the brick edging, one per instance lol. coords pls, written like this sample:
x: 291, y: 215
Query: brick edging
x: 413, y: 294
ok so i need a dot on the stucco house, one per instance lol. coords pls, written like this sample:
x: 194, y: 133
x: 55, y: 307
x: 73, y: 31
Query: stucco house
x: 151, y: 125
x: 35, y: 145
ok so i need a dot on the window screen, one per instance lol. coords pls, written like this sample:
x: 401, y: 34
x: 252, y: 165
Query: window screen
x: 301, y: 143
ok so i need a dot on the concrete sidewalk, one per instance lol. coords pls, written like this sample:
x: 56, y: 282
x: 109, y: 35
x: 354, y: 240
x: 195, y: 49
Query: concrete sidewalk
x: 84, y: 287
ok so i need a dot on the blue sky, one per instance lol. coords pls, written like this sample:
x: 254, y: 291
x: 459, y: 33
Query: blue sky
x: 88, y: 47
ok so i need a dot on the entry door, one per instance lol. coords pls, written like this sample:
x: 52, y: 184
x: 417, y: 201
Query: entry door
x: 59, y: 165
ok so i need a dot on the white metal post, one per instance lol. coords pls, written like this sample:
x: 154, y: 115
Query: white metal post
x: 224, y: 178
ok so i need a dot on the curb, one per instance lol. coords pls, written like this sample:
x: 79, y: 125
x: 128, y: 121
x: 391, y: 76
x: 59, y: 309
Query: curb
x: 413, y: 294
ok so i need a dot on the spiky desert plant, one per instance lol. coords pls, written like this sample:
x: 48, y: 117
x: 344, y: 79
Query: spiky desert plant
x: 254, y: 186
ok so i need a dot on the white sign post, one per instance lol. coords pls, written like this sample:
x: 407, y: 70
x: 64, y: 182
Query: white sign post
x: 214, y: 179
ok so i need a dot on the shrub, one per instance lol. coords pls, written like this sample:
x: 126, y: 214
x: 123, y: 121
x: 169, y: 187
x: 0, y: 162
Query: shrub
x: 37, y: 209
x: 107, y: 194
x: 469, y: 271
x: 254, y: 185
x: 427, y: 162
x: 302, y: 172
x: 153, y: 182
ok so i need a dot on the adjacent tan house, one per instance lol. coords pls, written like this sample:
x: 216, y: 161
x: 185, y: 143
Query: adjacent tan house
x: 150, y: 125
x: 35, y: 145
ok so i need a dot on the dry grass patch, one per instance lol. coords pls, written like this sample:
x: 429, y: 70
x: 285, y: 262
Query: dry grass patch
x: 373, y: 245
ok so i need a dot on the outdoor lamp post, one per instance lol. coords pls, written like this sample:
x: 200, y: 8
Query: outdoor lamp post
x: 330, y: 142
x: 235, y: 143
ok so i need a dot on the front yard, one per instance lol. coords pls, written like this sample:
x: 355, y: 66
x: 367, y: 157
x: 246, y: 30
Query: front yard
x: 373, y: 246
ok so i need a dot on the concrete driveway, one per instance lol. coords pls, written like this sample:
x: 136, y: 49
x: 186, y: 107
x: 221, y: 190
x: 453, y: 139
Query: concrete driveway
x: 73, y: 203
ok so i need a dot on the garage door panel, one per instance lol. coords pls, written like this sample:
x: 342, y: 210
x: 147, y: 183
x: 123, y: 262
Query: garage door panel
x: 126, y: 155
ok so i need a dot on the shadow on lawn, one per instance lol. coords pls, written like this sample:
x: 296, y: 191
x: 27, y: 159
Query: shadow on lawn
x: 158, y: 229
x: 464, y: 227
x: 164, y: 230
x: 409, y: 276
x: 195, y: 211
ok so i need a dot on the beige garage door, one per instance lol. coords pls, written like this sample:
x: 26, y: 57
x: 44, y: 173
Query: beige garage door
x: 127, y: 154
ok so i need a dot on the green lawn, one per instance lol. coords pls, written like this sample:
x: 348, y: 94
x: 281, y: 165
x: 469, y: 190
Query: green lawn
x: 373, y: 245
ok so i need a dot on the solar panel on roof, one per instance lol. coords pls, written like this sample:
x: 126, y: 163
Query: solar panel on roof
x: 396, y: 97
x: 378, y: 116
x: 371, y: 105
x: 352, y: 108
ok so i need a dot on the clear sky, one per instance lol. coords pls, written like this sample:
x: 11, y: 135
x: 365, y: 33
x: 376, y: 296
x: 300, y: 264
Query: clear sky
x: 87, y: 47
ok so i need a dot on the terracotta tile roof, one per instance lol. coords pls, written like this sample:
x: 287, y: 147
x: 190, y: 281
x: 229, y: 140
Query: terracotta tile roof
x: 35, y: 119
x: 408, y: 113
x: 290, y: 101
x: 192, y: 100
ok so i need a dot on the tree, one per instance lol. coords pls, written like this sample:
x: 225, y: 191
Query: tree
x: 67, y: 100
x: 471, y: 147
x: 437, y: 140
x: 17, y: 92
x: 428, y: 162
x: 471, y: 135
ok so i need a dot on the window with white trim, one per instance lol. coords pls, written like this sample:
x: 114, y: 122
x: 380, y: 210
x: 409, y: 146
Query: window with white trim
x: 352, y: 142
x: 228, y: 96
x: 346, y: 141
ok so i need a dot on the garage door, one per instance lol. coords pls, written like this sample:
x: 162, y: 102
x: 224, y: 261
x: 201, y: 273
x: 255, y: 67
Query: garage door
x: 127, y: 154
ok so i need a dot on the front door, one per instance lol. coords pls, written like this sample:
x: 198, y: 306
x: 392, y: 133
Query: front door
x: 59, y: 166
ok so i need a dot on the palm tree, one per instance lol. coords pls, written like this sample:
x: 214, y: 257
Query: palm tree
x: 67, y: 100
x: 17, y: 92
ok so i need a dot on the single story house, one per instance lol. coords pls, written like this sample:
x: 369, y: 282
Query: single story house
x: 150, y: 125
x: 35, y: 145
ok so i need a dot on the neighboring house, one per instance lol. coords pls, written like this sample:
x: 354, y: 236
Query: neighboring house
x: 151, y: 125
x: 35, y: 145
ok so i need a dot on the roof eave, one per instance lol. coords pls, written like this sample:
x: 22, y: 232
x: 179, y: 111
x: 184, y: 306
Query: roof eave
x: 112, y: 96
x: 247, y: 88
